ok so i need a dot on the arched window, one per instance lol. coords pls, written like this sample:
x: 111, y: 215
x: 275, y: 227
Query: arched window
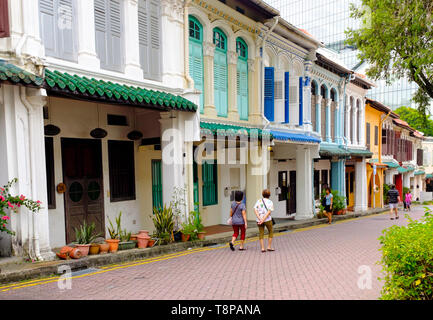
x: 196, y: 56
x: 313, y: 88
x: 220, y: 72
x: 242, y: 78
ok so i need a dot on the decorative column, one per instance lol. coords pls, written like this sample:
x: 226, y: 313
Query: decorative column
x: 209, y: 101
x: 254, y: 90
x: 337, y: 126
x: 328, y: 119
x: 361, y: 137
x: 318, y: 114
x: 304, y: 190
x: 361, y: 186
x: 132, y: 51
x: 87, y: 56
x: 347, y: 127
x: 338, y: 174
x: 232, y: 59
x: 172, y: 145
x: 354, y: 128
x: 308, y: 64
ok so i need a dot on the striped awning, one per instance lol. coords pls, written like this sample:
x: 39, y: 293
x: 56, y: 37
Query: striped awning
x: 295, y: 137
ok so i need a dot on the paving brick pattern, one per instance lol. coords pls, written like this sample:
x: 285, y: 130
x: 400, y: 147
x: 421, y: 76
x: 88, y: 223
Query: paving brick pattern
x: 317, y: 263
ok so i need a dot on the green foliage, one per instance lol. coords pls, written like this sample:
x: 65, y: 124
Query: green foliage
x: 10, y: 203
x: 115, y: 231
x: 124, y: 235
x: 85, y: 234
x: 396, y: 40
x: 386, y: 188
x: 416, y: 120
x: 407, y: 260
x: 191, y: 227
x: 338, y: 202
x: 405, y: 190
x: 163, y: 220
x: 198, y: 223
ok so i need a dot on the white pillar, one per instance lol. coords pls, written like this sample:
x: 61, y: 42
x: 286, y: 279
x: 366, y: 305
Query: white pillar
x: 328, y: 120
x: 361, y: 124
x: 406, y: 180
x: 361, y: 186
x: 87, y: 56
x: 172, y: 146
x: 348, y: 121
x: 304, y: 193
x: 354, y: 128
x: 132, y: 51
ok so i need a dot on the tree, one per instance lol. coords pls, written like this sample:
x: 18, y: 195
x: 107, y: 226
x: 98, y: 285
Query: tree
x: 416, y: 120
x: 396, y: 39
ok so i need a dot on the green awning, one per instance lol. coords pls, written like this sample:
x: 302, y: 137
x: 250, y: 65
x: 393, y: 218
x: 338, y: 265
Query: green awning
x: 410, y: 168
x: 391, y: 165
x: 220, y: 129
x: 402, y: 170
x: 419, y: 172
x: 360, y: 152
x: 332, y: 150
x: 429, y: 176
x: 15, y: 75
x: 64, y: 84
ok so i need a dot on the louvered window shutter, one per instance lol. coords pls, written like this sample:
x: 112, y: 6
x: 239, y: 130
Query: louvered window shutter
x: 286, y: 96
x: 143, y: 27
x: 47, y: 10
x: 155, y: 40
x: 220, y: 83
x: 269, y: 93
x: 242, y: 89
x: 301, y: 98
x: 65, y: 36
x: 196, y: 68
x: 115, y: 56
x: 101, y: 31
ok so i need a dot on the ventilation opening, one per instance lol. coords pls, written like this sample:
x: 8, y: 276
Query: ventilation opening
x: 117, y: 120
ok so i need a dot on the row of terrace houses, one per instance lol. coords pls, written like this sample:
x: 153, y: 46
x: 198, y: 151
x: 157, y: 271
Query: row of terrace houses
x: 116, y: 105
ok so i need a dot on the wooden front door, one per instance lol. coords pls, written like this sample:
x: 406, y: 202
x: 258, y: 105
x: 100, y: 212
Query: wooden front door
x: 82, y: 174
x: 292, y: 193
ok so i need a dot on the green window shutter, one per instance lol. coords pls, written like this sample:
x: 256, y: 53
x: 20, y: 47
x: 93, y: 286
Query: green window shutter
x: 242, y: 88
x: 209, y: 174
x: 220, y: 83
x: 196, y: 68
x: 156, y: 184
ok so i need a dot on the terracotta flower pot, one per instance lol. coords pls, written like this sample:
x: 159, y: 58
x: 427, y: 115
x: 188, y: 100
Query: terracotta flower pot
x: 151, y: 243
x: 114, y: 244
x: 75, y: 253
x: 103, y: 248
x: 94, y: 248
x: 200, y: 235
x: 133, y: 237
x: 143, y: 232
x: 143, y: 240
x: 185, y: 237
x: 84, y: 248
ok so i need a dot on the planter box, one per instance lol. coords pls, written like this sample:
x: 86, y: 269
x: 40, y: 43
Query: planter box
x: 127, y: 245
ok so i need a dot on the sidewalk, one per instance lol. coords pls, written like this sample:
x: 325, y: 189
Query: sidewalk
x: 16, y: 269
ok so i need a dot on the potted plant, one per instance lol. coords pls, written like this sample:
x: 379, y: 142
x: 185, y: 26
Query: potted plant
x: 163, y: 220
x: 198, y: 224
x: 114, y: 233
x: 188, y: 229
x: 85, y: 235
x: 125, y: 240
x: 338, y: 203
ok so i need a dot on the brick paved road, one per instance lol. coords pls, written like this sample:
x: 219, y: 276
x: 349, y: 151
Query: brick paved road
x: 316, y: 263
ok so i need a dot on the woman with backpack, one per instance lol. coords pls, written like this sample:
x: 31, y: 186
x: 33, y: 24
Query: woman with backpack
x: 238, y: 220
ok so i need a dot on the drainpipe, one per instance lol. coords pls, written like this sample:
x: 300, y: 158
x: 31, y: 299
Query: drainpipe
x: 186, y: 45
x: 262, y: 69
x: 34, y: 241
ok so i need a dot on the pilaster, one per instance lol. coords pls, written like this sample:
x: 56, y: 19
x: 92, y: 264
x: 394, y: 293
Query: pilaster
x: 208, y: 62
x: 232, y: 60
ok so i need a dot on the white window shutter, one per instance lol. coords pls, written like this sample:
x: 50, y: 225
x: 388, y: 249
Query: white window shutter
x: 66, y: 35
x: 101, y: 30
x: 155, y: 40
x: 47, y: 9
x: 115, y: 52
x: 143, y: 37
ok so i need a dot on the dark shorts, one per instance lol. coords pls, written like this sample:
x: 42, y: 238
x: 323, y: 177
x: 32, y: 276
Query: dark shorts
x: 328, y: 208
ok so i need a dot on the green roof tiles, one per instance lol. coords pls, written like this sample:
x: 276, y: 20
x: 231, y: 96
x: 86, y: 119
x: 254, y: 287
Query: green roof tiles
x: 419, y: 172
x: 429, y: 176
x: 80, y: 86
x: 391, y: 165
x: 332, y: 150
x: 360, y: 152
x: 15, y: 75
x: 402, y: 170
x: 231, y: 130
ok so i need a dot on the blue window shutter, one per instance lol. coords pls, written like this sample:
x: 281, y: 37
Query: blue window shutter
x: 286, y: 97
x: 301, y: 96
x: 269, y: 93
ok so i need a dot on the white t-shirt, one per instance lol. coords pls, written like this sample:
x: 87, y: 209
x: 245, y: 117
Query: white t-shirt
x: 260, y: 207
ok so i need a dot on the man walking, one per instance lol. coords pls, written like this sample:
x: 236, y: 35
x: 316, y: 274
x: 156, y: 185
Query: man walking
x: 394, y: 199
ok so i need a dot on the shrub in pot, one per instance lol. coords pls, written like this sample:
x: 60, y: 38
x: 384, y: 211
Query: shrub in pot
x: 163, y: 221
x: 114, y: 233
x: 338, y: 203
x: 85, y: 235
x: 199, y: 227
